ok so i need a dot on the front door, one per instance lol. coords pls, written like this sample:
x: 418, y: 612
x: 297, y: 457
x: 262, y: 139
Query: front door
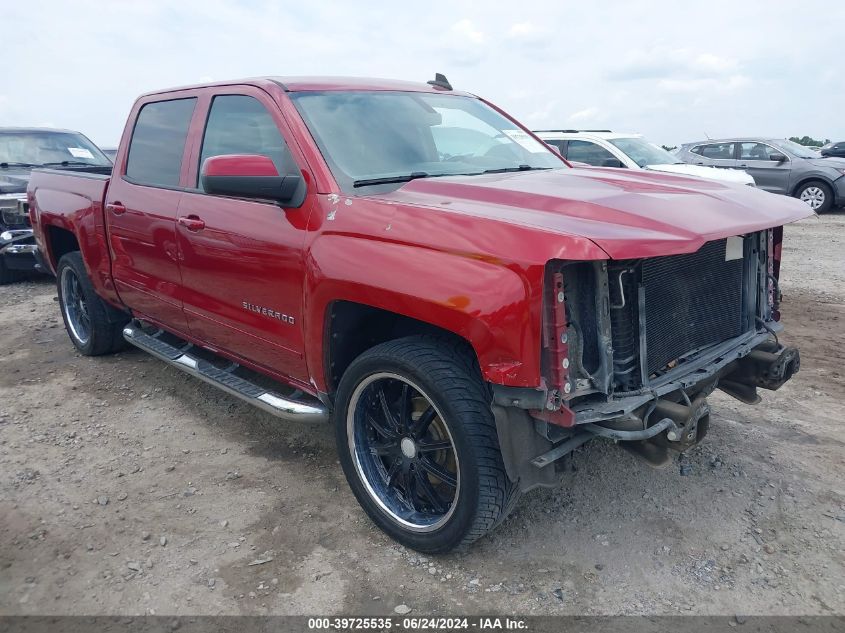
x: 242, y: 271
x: 770, y: 175
x: 141, y: 204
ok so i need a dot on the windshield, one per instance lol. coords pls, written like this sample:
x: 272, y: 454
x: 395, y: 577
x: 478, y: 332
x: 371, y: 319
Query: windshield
x: 391, y: 137
x: 799, y: 151
x: 644, y: 153
x: 37, y: 149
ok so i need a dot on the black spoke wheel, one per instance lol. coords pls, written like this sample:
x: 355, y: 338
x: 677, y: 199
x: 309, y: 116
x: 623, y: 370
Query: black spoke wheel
x: 403, y: 451
x: 94, y: 327
x: 75, y: 306
x: 418, y: 444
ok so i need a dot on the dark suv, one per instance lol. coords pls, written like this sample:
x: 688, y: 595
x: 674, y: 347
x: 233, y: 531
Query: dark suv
x: 22, y: 149
x: 833, y: 150
x: 778, y: 166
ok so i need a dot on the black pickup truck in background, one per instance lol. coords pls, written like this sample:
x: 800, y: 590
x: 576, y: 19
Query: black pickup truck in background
x: 21, y: 150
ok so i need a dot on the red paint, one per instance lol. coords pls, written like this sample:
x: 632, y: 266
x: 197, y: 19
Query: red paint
x: 466, y: 254
x: 239, y: 165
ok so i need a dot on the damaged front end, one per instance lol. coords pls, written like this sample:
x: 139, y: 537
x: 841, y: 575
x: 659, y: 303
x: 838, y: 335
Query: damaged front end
x: 633, y: 348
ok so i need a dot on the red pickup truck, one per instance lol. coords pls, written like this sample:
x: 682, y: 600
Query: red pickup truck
x: 411, y: 263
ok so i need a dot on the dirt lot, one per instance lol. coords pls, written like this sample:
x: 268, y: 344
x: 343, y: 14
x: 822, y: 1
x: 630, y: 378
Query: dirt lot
x: 127, y: 487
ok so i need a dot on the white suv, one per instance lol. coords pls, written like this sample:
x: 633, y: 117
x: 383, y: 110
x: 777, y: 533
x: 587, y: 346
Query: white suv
x: 603, y: 148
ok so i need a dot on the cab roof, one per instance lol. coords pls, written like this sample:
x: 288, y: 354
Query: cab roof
x: 604, y: 134
x: 319, y: 83
x: 35, y: 130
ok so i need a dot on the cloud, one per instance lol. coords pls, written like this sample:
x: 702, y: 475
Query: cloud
x: 705, y: 85
x: 661, y: 67
x: 463, y: 43
x: 465, y: 30
x: 662, y: 62
x: 587, y: 114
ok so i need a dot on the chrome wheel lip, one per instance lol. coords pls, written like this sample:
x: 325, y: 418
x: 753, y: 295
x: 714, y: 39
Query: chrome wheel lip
x: 74, y: 307
x: 813, y: 196
x: 362, y: 476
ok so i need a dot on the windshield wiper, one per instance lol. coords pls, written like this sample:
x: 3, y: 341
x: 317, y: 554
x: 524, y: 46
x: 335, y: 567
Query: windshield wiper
x: 504, y: 170
x: 386, y: 180
x: 67, y: 162
x: 422, y: 174
x: 5, y: 164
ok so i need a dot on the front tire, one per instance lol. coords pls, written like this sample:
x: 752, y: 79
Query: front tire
x: 818, y: 195
x: 418, y: 443
x: 94, y: 327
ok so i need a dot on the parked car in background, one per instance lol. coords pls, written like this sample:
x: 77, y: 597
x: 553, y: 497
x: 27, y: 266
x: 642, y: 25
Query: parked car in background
x: 777, y: 165
x: 603, y: 148
x: 833, y: 149
x: 110, y: 152
x: 22, y: 149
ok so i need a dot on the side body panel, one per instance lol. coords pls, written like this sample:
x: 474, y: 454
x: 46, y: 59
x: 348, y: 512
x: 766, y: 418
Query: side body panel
x: 145, y: 256
x: 73, y: 202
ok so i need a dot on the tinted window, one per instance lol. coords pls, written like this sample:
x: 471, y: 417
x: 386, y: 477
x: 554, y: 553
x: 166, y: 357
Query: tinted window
x: 238, y: 124
x: 158, y: 142
x: 715, y: 151
x: 586, y: 152
x: 754, y: 151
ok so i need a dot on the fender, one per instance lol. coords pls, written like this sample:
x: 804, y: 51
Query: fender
x: 496, y: 307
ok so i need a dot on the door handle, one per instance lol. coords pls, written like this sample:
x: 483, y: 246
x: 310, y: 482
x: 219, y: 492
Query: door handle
x: 116, y: 208
x: 192, y: 222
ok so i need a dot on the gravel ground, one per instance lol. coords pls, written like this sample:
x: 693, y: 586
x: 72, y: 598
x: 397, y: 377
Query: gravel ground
x: 129, y: 488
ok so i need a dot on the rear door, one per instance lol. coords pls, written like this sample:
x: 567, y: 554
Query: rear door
x: 715, y: 155
x: 141, y: 204
x: 769, y: 175
x: 243, y: 272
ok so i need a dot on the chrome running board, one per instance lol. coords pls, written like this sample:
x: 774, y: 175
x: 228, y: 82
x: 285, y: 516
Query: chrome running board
x: 306, y: 409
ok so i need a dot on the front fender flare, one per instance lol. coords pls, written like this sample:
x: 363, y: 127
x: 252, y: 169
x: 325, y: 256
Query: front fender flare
x: 495, y: 306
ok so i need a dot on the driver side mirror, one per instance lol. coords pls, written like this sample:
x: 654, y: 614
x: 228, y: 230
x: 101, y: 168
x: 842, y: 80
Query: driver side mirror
x: 251, y: 176
x: 777, y: 157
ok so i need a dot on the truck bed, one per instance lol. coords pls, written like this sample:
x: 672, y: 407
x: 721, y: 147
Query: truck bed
x: 71, y: 203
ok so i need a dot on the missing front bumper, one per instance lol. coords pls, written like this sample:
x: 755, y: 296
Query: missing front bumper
x: 768, y: 366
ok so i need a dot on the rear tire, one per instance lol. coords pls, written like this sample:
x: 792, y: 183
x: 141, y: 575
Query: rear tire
x: 817, y: 194
x: 428, y: 472
x: 94, y: 327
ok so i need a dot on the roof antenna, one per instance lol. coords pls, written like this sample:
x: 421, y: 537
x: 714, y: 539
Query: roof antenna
x: 707, y: 136
x: 440, y: 81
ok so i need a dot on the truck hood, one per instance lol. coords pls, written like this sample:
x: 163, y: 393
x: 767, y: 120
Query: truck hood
x: 627, y: 213
x: 712, y: 173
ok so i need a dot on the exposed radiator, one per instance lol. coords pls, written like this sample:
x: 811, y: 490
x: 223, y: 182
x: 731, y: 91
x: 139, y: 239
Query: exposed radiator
x: 682, y: 303
x: 690, y: 301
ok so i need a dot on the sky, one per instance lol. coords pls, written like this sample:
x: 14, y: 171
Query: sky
x: 676, y: 71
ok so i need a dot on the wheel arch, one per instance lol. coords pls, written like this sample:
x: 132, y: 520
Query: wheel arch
x: 59, y: 242
x: 807, y: 179
x: 352, y: 328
